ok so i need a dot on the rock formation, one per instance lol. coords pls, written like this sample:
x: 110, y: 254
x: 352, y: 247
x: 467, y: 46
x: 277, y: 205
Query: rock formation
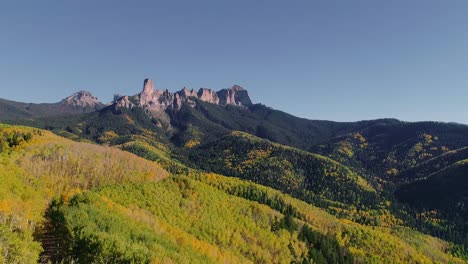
x: 207, y: 95
x: 235, y: 95
x: 156, y: 102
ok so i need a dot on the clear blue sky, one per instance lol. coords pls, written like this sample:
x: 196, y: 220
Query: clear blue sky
x: 338, y: 60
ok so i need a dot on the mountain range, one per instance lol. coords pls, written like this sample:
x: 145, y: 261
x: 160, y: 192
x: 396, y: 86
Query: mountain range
x: 400, y: 179
x: 155, y: 101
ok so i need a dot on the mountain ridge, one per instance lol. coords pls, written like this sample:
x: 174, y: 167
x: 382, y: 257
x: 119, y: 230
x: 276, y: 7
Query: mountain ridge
x: 153, y: 100
x: 156, y: 102
x: 77, y: 103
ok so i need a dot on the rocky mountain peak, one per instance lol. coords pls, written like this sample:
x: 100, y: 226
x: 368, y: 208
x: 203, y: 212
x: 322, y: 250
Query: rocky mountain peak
x: 82, y: 99
x: 149, y: 96
x: 185, y: 93
x: 117, y: 97
x: 237, y: 88
x: 235, y: 95
x: 208, y: 95
x: 156, y: 102
x: 148, y: 86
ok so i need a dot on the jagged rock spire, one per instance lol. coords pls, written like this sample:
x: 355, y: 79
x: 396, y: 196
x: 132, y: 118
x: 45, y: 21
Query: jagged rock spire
x: 148, y: 86
x: 157, y: 102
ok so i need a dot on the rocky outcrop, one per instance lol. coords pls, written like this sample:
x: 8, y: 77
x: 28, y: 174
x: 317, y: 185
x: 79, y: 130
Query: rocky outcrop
x: 235, y: 95
x: 156, y: 102
x: 117, y: 97
x: 185, y: 96
x: 124, y: 102
x: 207, y: 95
x: 186, y: 93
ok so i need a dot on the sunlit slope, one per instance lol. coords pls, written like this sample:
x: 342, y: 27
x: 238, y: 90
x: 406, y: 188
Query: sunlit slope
x: 310, y: 177
x: 36, y: 166
x: 396, y: 244
x: 386, y: 150
x: 214, y: 219
x: 112, y: 206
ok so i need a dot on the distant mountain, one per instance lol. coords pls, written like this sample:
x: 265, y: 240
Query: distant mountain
x: 77, y: 103
x: 204, y: 114
x: 433, y: 165
x: 446, y: 189
x: 391, y: 148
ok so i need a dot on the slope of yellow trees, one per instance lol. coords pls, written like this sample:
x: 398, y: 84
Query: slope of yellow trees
x: 118, y: 207
x: 36, y: 166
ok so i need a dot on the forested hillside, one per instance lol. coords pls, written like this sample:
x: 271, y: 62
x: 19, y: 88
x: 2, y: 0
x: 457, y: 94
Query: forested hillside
x: 441, y: 200
x: 283, y: 132
x: 204, y: 122
x: 427, y: 168
x: 352, y: 170
x: 385, y: 150
x: 105, y: 205
x: 37, y: 166
x: 309, y: 177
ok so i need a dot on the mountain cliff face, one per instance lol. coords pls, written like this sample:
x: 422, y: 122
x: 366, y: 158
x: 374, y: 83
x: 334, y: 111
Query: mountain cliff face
x: 159, y: 100
x: 235, y: 95
x: 156, y: 102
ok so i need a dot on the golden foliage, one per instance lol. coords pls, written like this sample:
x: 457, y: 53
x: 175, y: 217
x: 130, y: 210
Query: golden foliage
x: 392, y: 172
x: 192, y: 143
x: 107, y: 136
x: 370, y: 244
x: 64, y: 164
x: 35, y: 170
